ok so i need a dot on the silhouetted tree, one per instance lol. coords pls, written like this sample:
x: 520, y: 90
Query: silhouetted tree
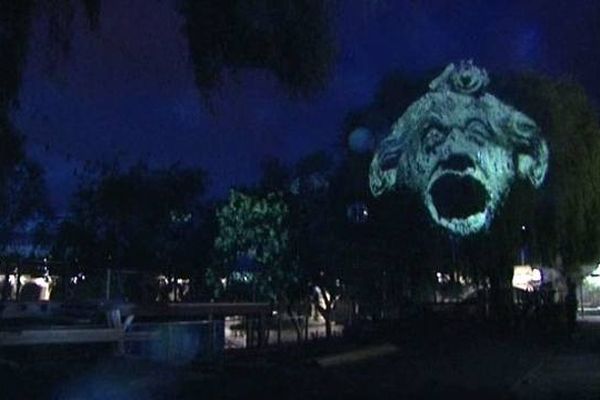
x: 566, y: 216
x: 292, y: 39
x: 137, y: 219
x: 561, y: 219
x: 23, y: 199
x: 317, y: 217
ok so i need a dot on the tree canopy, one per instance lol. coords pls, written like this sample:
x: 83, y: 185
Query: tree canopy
x: 557, y: 223
x: 253, y: 244
x: 291, y: 38
x: 137, y: 219
x: 566, y: 214
x: 23, y: 195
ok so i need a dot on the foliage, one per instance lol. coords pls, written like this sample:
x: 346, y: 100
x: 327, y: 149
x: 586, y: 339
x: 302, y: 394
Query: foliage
x: 557, y: 225
x: 290, y: 38
x: 253, y: 231
x: 22, y: 189
x: 315, y: 219
x: 566, y: 214
x: 22, y: 192
x: 16, y: 24
x: 23, y: 198
x: 275, y: 176
x: 141, y: 219
x: 561, y: 220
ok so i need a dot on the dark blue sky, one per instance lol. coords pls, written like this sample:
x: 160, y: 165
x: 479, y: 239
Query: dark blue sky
x: 128, y: 88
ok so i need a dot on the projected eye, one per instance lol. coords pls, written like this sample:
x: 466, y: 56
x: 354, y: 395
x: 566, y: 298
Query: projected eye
x: 433, y: 138
x: 477, y: 127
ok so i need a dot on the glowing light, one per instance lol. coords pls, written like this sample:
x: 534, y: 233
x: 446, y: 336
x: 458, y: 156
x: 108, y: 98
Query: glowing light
x: 244, y: 277
x: 357, y: 212
x: 593, y: 279
x: 526, y: 278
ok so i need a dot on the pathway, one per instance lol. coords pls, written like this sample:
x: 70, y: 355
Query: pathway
x: 572, y: 372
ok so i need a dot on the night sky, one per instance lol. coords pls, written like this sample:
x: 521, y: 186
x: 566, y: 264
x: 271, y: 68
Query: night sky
x: 128, y: 90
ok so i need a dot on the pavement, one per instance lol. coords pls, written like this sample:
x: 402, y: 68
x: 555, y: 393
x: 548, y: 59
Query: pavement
x: 572, y: 371
x: 441, y: 362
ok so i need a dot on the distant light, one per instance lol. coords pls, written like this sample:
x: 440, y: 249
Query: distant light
x: 357, y: 212
x: 522, y: 227
x: 526, y: 278
x: 77, y: 278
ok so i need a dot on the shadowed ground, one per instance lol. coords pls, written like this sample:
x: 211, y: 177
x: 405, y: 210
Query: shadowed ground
x: 452, y: 360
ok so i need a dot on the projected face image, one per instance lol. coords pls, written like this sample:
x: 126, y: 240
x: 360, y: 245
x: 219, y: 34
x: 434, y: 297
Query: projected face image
x: 461, y: 149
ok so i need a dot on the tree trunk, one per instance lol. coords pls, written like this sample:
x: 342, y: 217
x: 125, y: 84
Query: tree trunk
x: 326, y: 314
x: 500, y: 300
x: 294, y: 318
x: 328, y: 325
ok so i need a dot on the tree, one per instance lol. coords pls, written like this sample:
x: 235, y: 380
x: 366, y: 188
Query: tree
x: 317, y: 219
x: 337, y: 256
x: 252, y: 246
x: 566, y: 213
x: 137, y: 219
x: 396, y: 250
x: 559, y: 222
x: 22, y: 194
x: 292, y: 39
x: 16, y: 26
x: 23, y: 199
x: 22, y: 187
x: 275, y: 176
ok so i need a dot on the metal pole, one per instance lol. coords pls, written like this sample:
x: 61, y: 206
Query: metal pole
x: 6, y: 284
x: 278, y: 326
x: 581, y: 297
x: 18, y: 282
x: 108, y: 284
x: 306, y: 319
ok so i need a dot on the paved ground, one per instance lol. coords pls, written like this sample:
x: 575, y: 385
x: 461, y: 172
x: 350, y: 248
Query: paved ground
x: 440, y: 362
x: 571, y: 372
x: 443, y: 361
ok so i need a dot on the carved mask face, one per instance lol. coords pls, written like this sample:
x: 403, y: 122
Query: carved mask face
x: 460, y: 149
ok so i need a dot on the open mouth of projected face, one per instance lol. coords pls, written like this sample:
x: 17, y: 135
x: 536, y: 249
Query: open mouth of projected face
x: 457, y: 197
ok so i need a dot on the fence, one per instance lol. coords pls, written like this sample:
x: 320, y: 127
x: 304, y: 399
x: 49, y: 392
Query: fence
x: 173, y: 333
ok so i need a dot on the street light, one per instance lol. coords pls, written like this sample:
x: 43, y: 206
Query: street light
x: 357, y: 212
